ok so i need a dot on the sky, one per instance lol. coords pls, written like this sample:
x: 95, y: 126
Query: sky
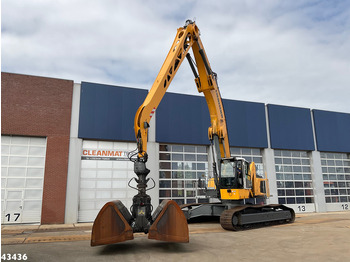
x: 294, y: 53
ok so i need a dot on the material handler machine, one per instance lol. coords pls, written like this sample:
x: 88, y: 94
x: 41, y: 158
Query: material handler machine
x: 234, y: 179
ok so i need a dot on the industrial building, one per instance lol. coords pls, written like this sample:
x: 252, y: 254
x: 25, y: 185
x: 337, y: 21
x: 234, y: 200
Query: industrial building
x: 65, y: 145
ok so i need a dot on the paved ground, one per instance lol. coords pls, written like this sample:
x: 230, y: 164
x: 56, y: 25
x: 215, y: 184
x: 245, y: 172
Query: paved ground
x: 313, y: 237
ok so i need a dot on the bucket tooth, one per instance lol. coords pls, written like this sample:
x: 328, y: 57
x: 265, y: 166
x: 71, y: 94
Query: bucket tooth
x: 111, y: 225
x: 170, y: 223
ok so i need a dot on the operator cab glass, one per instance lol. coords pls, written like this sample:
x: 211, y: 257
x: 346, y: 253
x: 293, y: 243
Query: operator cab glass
x: 234, y: 174
x: 228, y: 171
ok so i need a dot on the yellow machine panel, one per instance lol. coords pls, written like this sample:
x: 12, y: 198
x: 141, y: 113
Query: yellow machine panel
x: 235, y: 194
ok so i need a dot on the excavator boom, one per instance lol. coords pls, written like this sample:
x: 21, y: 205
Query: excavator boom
x: 187, y: 37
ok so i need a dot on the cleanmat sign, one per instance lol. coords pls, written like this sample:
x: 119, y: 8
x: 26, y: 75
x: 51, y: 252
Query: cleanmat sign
x: 104, y: 154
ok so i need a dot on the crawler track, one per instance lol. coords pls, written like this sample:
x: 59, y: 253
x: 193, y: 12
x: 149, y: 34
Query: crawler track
x: 244, y: 217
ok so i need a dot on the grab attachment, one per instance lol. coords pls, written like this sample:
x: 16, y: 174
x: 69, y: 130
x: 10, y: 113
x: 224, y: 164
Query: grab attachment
x: 114, y: 223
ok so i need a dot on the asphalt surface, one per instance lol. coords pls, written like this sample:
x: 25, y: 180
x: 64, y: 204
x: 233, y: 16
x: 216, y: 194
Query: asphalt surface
x: 312, y: 237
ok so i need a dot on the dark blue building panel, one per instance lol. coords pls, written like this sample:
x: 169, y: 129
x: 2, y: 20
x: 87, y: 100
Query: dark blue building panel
x: 246, y: 123
x: 182, y: 119
x: 290, y: 128
x: 332, y: 131
x: 107, y: 112
x: 185, y: 119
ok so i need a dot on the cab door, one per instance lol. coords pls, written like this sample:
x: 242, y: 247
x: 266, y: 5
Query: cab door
x: 247, y: 177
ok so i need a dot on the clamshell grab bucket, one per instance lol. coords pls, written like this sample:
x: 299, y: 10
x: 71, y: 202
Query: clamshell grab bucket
x: 111, y: 225
x: 169, y: 224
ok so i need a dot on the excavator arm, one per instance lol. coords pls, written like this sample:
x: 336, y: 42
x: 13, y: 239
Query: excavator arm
x: 187, y: 37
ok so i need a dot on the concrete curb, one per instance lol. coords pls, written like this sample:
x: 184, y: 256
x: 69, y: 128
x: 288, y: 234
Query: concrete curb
x: 23, y: 234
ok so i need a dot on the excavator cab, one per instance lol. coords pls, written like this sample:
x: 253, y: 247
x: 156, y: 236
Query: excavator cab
x: 235, y: 173
x: 237, y: 180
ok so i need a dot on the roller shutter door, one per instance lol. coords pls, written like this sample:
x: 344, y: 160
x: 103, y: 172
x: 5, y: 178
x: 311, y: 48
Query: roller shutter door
x: 22, y: 177
x: 105, y: 172
x: 336, y: 180
x: 294, y: 180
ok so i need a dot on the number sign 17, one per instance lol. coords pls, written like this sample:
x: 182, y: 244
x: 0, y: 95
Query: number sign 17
x: 8, y: 216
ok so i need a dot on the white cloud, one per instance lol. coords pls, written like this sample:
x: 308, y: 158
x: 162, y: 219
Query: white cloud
x: 293, y: 53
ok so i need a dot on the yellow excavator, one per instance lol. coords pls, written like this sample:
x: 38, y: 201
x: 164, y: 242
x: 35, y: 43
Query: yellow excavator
x: 234, y: 179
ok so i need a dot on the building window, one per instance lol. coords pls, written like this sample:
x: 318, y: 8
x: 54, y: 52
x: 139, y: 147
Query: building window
x: 336, y: 177
x: 180, y: 167
x: 293, y: 177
